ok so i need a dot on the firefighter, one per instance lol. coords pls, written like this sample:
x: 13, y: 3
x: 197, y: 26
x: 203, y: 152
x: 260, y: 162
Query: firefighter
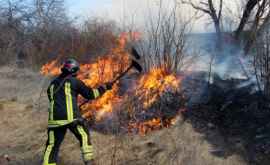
x: 64, y: 113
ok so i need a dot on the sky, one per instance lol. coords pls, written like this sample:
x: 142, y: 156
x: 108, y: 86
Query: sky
x: 127, y: 10
x: 111, y: 9
x: 88, y: 7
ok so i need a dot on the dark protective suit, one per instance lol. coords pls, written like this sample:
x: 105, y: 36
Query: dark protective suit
x: 64, y: 114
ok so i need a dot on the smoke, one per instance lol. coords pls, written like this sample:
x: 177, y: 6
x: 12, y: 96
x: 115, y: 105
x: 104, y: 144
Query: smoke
x: 212, y: 66
x: 131, y: 13
x: 228, y: 63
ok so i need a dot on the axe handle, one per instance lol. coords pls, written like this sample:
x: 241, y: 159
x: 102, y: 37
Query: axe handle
x: 120, y: 76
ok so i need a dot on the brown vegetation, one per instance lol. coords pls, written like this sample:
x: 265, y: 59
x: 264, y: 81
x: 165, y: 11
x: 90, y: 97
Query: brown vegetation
x: 23, y: 136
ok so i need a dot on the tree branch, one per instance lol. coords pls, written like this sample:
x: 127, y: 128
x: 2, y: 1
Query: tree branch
x: 196, y: 7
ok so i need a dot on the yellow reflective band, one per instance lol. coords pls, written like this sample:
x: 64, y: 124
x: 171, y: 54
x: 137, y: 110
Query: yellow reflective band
x: 87, y: 150
x: 83, y: 134
x: 49, y: 149
x: 88, y: 156
x: 69, y: 101
x: 56, y: 123
x: 51, y: 103
x: 96, y: 93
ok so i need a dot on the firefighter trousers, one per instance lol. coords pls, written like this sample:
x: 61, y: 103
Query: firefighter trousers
x: 56, y: 136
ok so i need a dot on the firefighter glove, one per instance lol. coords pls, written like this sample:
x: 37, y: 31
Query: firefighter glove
x: 108, y: 86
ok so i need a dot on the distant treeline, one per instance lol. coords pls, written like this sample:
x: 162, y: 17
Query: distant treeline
x: 40, y: 30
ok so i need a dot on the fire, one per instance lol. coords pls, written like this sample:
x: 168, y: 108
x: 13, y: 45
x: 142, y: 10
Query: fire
x: 154, y: 124
x: 105, y: 69
x: 144, y: 127
x: 50, y: 68
x: 148, y: 90
x: 156, y: 82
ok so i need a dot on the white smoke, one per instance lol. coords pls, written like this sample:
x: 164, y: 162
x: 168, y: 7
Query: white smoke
x: 228, y: 63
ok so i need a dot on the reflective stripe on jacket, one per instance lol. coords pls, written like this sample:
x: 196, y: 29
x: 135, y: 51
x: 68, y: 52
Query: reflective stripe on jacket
x: 62, y: 93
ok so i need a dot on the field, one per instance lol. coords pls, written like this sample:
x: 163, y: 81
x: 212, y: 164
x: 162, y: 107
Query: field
x: 23, y: 123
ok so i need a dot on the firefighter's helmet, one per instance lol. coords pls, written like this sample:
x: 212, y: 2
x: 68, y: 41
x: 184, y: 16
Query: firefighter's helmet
x: 70, y: 66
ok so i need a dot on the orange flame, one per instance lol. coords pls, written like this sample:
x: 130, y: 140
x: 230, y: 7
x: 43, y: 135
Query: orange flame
x: 94, y: 74
x: 151, y: 125
x: 153, y: 84
x: 149, y: 88
x: 50, y: 68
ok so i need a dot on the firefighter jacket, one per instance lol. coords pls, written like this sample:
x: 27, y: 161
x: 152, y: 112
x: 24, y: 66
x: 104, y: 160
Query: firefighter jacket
x: 62, y: 93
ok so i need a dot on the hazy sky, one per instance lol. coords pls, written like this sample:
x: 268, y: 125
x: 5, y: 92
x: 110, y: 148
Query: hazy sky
x: 120, y: 10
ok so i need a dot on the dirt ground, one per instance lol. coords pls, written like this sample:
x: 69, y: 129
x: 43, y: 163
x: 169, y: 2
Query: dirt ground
x: 23, y: 123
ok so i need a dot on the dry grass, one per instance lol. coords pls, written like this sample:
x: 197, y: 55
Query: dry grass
x: 1, y: 106
x: 23, y: 136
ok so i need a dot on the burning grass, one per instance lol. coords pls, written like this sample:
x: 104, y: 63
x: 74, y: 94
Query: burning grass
x: 154, y: 84
x: 142, y: 108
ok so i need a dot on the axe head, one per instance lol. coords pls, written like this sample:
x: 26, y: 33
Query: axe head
x: 137, y: 66
x: 135, y: 53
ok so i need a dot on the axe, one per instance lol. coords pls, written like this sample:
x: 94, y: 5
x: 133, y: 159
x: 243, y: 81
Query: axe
x: 135, y: 53
x: 133, y: 64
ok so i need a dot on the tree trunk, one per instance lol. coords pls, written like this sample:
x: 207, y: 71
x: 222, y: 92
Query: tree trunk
x: 248, y: 9
x: 219, y: 35
x: 264, y: 26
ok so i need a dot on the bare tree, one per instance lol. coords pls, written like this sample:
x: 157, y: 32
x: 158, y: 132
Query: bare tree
x: 213, y: 10
x: 165, y: 40
x: 52, y: 30
x: 262, y: 62
x: 247, y: 11
x: 254, y: 17
x: 50, y: 12
x: 15, y: 17
x: 99, y: 35
x: 264, y: 25
x: 261, y: 17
